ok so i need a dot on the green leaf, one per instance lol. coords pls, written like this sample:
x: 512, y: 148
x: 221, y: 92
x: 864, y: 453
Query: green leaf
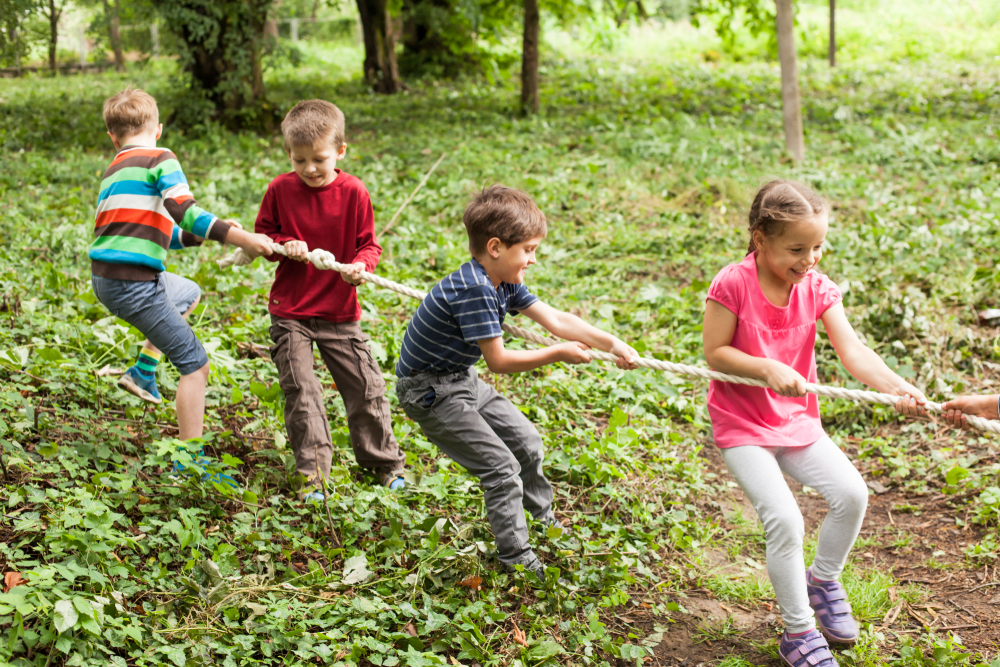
x: 618, y: 418
x: 356, y: 570
x: 955, y: 475
x: 250, y: 497
x: 546, y: 649
x: 176, y: 655
x: 65, y: 616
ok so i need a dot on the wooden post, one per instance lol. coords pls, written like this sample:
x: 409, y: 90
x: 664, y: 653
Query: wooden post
x: 83, y: 48
x: 833, y: 34
x: 154, y: 33
x: 790, y: 99
x: 295, y: 30
x: 529, y: 58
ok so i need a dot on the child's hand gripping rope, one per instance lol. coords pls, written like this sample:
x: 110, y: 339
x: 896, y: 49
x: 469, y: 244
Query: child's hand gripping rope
x: 325, y: 261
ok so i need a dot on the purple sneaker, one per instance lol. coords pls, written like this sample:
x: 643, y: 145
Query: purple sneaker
x: 808, y: 650
x: 833, y: 612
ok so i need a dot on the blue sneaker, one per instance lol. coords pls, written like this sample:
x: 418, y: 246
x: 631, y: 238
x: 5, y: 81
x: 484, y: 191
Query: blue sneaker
x: 394, y: 480
x: 136, y: 382
x: 314, y: 496
x: 216, y: 477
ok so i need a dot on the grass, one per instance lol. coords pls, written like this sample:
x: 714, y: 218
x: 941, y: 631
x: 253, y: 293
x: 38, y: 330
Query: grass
x: 644, y: 166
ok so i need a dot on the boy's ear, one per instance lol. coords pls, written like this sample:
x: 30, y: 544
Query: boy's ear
x: 159, y: 131
x: 114, y: 140
x: 342, y: 152
x: 493, y: 247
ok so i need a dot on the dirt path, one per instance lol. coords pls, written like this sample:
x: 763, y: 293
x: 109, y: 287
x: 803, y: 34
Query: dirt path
x: 915, y: 539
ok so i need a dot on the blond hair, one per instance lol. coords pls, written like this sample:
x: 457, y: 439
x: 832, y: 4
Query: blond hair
x: 130, y: 112
x: 504, y: 213
x: 311, y: 121
x: 779, y: 202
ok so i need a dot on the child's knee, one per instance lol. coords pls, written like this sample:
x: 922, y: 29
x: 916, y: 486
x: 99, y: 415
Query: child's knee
x: 201, y: 373
x: 852, y: 498
x: 784, y: 527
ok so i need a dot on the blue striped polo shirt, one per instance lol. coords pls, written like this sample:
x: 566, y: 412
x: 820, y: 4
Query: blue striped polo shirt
x: 460, y: 310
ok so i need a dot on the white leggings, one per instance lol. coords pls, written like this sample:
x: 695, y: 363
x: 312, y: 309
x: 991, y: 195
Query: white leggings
x: 822, y: 466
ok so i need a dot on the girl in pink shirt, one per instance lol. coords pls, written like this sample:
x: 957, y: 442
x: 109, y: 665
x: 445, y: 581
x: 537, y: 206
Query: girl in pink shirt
x: 760, y: 322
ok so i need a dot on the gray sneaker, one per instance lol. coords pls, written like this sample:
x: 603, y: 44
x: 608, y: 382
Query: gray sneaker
x: 549, y: 520
x: 530, y: 563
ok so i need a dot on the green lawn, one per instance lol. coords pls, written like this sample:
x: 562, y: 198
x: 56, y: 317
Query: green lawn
x: 644, y: 164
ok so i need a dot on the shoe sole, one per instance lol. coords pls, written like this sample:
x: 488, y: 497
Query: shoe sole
x: 836, y: 640
x: 131, y: 387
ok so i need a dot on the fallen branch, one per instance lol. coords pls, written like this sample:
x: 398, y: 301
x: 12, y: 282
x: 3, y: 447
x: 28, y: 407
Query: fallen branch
x: 412, y: 195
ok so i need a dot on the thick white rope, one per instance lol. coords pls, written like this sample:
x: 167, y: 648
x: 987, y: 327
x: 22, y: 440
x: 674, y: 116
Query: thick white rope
x: 325, y: 261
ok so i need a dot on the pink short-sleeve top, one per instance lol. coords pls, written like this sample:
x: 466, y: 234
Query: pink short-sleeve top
x: 743, y: 415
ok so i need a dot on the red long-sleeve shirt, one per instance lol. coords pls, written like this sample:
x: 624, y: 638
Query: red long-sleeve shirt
x: 338, y: 218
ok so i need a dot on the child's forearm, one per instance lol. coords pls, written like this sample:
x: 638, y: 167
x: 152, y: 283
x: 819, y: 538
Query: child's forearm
x: 867, y: 367
x: 571, y: 327
x: 519, y: 361
x: 727, y: 359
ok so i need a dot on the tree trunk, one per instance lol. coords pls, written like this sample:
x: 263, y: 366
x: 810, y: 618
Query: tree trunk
x: 381, y: 68
x: 222, y: 54
x: 53, y: 34
x: 833, y: 34
x: 114, y: 34
x: 529, y: 58
x: 271, y: 26
x: 790, y: 99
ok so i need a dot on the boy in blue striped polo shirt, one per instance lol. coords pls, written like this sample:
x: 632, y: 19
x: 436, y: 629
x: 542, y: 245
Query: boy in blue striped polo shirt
x: 458, y: 322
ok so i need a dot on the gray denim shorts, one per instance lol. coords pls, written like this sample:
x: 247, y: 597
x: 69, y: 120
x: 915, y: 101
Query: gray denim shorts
x: 156, y: 309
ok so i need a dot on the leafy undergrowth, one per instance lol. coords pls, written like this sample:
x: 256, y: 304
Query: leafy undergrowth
x: 645, y: 174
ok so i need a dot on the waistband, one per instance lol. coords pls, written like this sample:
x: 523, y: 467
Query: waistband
x: 423, y: 376
x: 132, y: 272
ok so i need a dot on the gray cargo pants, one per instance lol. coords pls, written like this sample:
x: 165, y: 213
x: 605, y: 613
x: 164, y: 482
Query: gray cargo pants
x: 486, y: 434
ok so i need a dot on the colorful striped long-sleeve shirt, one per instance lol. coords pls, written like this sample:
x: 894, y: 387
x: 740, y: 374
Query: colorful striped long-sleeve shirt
x: 145, y: 208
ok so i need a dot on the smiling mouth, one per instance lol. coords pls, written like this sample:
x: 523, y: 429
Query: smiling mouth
x: 800, y: 273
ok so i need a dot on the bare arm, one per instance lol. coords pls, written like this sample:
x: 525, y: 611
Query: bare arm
x: 864, y: 363
x: 717, y: 337
x: 568, y: 326
x: 501, y: 360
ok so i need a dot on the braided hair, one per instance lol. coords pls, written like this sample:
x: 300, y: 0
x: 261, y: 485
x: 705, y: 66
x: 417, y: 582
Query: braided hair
x: 779, y: 202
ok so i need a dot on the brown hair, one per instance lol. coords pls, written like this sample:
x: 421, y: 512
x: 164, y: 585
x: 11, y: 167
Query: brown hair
x: 311, y: 121
x: 130, y: 112
x: 504, y: 213
x: 779, y: 202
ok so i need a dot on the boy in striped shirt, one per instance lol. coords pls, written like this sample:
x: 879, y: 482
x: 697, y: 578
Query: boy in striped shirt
x: 144, y: 209
x: 460, y: 321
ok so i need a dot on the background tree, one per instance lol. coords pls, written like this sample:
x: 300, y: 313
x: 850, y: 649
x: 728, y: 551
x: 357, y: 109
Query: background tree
x: 13, y: 44
x: 112, y: 10
x: 52, y: 10
x: 833, y: 33
x: 529, y: 58
x: 756, y: 16
x: 380, y: 66
x: 791, y: 103
x: 220, y: 49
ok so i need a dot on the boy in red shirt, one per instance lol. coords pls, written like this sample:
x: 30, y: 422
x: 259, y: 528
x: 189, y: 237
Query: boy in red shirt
x: 319, y: 206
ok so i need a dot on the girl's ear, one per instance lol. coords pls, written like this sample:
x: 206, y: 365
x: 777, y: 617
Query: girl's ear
x: 758, y: 238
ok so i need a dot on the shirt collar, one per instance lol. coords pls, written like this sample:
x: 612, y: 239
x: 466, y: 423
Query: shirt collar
x: 478, y: 269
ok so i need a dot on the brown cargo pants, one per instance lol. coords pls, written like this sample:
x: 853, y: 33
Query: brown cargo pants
x: 344, y: 349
